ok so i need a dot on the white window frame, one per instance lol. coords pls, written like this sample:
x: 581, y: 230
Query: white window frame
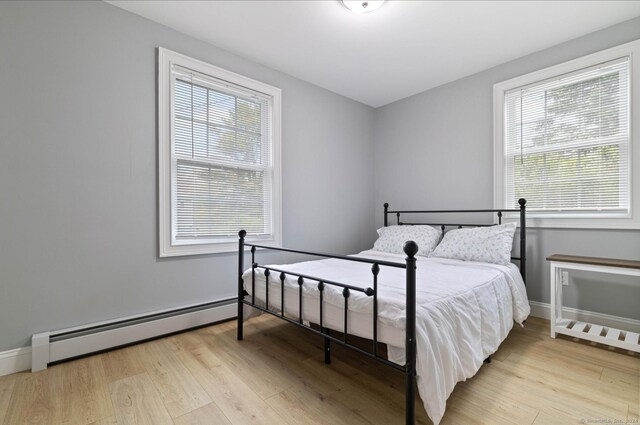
x: 168, y: 247
x: 603, y: 221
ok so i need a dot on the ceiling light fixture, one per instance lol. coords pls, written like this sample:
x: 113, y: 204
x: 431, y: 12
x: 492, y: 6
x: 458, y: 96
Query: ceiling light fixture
x: 362, y: 6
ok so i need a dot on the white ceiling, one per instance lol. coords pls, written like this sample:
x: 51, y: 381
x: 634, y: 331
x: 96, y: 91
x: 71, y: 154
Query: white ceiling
x: 401, y: 49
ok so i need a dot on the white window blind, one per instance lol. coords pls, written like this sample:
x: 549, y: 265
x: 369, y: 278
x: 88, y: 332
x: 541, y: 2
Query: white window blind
x: 222, y: 147
x: 567, y: 142
x: 218, y: 158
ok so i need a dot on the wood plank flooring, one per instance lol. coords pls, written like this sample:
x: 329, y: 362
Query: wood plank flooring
x: 277, y: 376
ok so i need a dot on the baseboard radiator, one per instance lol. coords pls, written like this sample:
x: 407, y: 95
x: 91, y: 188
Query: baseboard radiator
x: 64, y: 344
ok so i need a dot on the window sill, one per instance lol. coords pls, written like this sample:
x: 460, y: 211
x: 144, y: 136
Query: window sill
x: 211, y: 248
x: 578, y: 222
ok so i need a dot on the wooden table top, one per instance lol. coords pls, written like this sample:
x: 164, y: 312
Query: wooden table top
x: 595, y: 261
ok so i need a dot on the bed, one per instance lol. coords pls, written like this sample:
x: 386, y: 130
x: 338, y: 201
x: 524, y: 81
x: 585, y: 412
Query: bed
x: 440, y: 318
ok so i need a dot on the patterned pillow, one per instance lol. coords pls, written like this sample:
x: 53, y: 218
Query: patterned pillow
x: 392, y: 238
x: 487, y: 244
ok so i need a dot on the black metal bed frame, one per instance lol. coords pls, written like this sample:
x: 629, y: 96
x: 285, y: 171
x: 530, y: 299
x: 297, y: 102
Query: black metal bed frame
x: 410, y: 249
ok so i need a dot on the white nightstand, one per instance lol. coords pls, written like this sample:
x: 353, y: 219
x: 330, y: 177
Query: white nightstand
x: 602, y: 334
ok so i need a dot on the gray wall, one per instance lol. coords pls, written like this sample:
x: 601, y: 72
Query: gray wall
x: 78, y: 203
x: 435, y: 150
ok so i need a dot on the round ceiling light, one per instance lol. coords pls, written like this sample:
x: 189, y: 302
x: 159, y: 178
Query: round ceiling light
x: 362, y: 6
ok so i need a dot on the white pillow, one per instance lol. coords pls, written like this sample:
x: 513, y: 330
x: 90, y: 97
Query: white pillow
x: 392, y: 238
x: 487, y: 244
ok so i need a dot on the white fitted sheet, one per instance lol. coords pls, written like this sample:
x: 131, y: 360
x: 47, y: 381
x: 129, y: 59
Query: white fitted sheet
x: 464, y: 311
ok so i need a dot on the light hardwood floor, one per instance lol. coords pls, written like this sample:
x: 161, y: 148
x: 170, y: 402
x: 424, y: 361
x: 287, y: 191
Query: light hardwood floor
x: 276, y: 376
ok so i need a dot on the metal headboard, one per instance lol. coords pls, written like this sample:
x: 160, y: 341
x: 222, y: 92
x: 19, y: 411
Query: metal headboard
x: 499, y: 212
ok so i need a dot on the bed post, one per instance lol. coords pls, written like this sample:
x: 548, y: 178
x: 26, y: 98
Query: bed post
x: 386, y: 207
x: 523, y: 239
x: 411, y: 249
x: 241, y: 234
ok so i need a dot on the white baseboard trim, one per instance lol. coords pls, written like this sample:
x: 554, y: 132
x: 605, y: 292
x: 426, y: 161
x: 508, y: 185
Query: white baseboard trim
x: 113, y: 333
x: 55, y: 346
x: 14, y: 361
x: 543, y: 311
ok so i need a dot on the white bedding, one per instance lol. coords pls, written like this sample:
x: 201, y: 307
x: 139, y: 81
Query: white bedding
x: 464, y: 311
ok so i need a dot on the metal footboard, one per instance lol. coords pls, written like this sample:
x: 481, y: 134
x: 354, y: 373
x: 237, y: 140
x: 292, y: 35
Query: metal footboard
x: 410, y: 249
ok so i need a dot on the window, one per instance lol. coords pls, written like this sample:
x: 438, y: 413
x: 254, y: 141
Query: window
x: 564, y: 142
x: 219, y: 158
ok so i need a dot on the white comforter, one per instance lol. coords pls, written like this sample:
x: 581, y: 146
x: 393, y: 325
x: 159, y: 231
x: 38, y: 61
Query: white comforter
x: 464, y: 311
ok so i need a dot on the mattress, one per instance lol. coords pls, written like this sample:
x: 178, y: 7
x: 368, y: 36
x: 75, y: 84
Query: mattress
x: 464, y: 310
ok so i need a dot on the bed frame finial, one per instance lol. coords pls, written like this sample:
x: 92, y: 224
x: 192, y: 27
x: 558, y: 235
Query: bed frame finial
x: 410, y: 248
x: 242, y: 233
x: 522, y: 202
